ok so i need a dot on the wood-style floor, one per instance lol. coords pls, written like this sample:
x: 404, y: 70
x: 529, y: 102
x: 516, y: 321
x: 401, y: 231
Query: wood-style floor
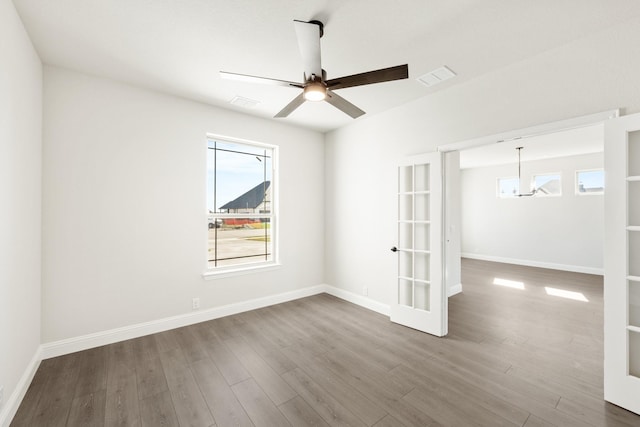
x: 513, y: 357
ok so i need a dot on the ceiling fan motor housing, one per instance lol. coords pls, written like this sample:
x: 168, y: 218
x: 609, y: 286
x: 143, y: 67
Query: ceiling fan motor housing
x: 315, y: 89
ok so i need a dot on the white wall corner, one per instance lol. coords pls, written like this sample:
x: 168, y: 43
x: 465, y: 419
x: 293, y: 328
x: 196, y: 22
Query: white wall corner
x: 8, y: 411
x: 84, y: 342
x: 359, y: 300
x: 454, y: 290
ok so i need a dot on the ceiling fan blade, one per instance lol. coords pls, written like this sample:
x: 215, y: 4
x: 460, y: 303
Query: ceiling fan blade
x: 343, y: 105
x: 309, y: 45
x: 398, y: 72
x: 260, y: 80
x: 297, y: 101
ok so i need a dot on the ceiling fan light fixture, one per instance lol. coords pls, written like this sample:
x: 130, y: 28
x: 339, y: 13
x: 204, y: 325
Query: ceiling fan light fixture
x: 315, y: 91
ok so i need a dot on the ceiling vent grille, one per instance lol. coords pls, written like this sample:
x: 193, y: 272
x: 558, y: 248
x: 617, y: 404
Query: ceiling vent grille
x: 436, y: 76
x: 243, y: 102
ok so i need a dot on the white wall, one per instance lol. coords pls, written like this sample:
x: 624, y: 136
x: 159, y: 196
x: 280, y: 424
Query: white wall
x: 586, y: 76
x: 124, y: 225
x: 565, y: 232
x: 20, y: 192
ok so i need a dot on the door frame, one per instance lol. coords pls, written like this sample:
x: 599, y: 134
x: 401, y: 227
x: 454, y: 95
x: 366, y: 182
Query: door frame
x: 547, y: 128
x: 531, y: 131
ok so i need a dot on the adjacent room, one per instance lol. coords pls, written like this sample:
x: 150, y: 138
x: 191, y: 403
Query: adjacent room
x: 200, y: 198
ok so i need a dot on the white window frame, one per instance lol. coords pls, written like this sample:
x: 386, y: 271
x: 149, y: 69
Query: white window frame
x: 258, y: 266
x: 590, y: 193
x: 540, y: 194
x: 499, y: 195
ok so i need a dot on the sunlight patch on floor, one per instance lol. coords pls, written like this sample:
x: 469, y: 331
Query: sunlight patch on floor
x: 562, y: 293
x: 508, y: 283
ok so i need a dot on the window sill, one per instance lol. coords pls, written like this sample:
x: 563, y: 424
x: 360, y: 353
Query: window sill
x: 239, y: 271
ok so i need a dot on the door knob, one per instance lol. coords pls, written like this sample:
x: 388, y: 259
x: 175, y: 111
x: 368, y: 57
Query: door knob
x: 394, y: 249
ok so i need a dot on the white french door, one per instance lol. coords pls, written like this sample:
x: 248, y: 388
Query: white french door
x: 420, y: 298
x: 622, y: 262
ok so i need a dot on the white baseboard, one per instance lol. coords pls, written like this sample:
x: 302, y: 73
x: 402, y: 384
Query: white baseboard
x: 454, y: 290
x: 84, y: 342
x: 541, y: 264
x: 13, y: 402
x: 359, y: 300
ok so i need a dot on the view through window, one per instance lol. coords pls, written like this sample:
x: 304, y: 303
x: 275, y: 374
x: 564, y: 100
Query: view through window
x: 240, y: 203
x: 590, y: 181
x: 548, y: 184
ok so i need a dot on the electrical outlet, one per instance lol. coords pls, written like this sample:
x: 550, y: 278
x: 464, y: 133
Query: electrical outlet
x: 195, y: 303
x: 365, y: 291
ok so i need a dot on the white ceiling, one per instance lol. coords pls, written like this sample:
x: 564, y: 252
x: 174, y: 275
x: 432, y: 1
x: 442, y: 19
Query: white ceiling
x: 572, y: 142
x: 179, y: 46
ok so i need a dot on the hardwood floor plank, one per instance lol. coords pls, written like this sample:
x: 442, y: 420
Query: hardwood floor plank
x: 158, y: 411
x: 272, y: 384
x: 596, y: 415
x: 388, y: 421
x: 93, y: 371
x: 56, y: 399
x: 188, y: 402
x: 462, y: 391
x: 122, y: 407
x: 228, y: 364
x: 192, y: 348
x: 150, y: 377
x: 349, y: 397
x: 451, y: 409
x: 328, y: 407
x: 534, y: 421
x: 224, y: 406
x: 88, y: 410
x: 259, y: 407
x: 299, y: 413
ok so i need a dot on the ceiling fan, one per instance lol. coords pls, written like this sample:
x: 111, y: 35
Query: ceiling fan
x: 316, y: 87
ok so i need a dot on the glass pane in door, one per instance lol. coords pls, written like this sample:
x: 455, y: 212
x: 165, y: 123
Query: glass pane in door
x: 421, y: 201
x: 634, y: 353
x: 421, y: 238
x: 422, y: 177
x: 405, y: 179
x: 405, y: 292
x: 634, y: 153
x: 634, y: 203
x: 405, y: 207
x: 405, y: 235
x: 634, y: 253
x: 406, y: 264
x: 421, y: 267
x: 422, y: 296
x: 634, y: 303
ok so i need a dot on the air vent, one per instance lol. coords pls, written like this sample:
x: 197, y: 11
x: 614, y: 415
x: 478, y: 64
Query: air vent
x: 247, y: 103
x: 436, y: 76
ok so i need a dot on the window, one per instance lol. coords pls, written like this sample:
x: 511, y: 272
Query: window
x: 508, y: 187
x: 547, y: 185
x: 590, y: 181
x: 240, y: 191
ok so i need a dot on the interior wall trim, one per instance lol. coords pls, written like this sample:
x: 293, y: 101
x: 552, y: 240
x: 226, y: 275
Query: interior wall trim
x: 360, y: 300
x: 8, y: 411
x: 454, y: 290
x: 84, y: 342
x: 542, y: 129
x: 541, y: 264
